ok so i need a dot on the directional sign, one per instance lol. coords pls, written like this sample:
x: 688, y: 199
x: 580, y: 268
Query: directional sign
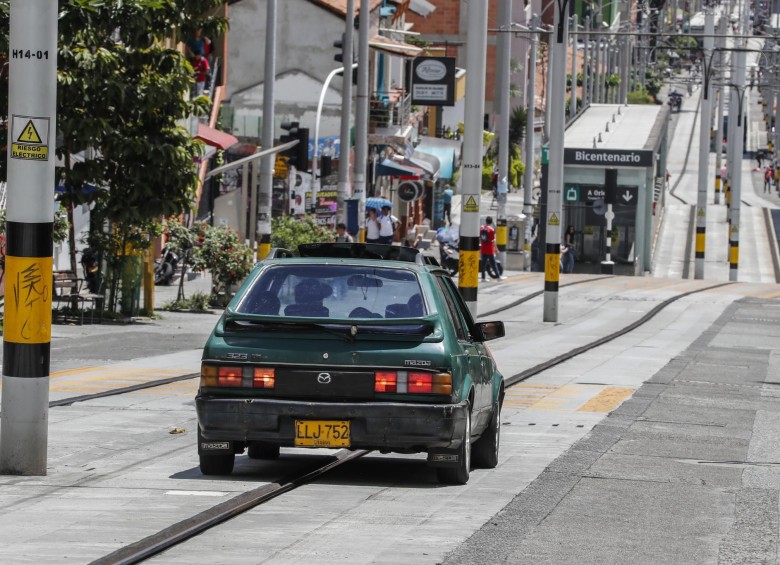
x: 572, y: 194
x: 627, y: 195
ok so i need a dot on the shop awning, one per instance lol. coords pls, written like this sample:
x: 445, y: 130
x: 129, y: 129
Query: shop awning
x: 421, y: 7
x: 447, y: 151
x: 394, y: 47
x: 390, y: 168
x: 214, y: 137
x: 427, y: 162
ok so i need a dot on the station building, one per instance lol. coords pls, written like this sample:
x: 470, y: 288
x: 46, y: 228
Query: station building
x: 633, y: 140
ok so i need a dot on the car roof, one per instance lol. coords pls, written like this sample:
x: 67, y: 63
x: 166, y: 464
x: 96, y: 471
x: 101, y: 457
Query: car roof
x: 374, y: 252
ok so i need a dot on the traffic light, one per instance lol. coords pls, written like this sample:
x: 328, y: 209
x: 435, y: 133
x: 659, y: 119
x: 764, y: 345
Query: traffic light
x: 339, y: 44
x: 299, y: 154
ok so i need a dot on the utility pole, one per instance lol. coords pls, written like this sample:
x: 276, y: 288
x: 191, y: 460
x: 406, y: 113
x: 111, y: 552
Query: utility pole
x: 736, y: 186
x: 552, y: 268
x: 573, y: 102
x: 504, y: 52
x: 32, y: 130
x: 586, y: 80
x: 704, y: 145
x: 548, y: 90
x: 530, y: 118
x: 476, y: 52
x: 346, y: 113
x: 263, y: 202
x: 361, y: 117
x: 721, y: 107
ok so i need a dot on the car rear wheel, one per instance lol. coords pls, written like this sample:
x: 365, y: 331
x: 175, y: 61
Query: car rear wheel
x: 217, y: 464
x: 263, y: 451
x: 486, y: 447
x: 459, y: 475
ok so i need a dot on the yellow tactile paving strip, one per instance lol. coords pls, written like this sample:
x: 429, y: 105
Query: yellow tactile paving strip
x: 566, y: 398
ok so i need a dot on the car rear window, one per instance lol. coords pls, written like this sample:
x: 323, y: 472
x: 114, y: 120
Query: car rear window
x: 334, y: 291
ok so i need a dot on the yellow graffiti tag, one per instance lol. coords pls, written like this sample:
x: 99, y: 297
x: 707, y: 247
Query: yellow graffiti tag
x: 552, y: 267
x: 468, y: 269
x: 28, y: 300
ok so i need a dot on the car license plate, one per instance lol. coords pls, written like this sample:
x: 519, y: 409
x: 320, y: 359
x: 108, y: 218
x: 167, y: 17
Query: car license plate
x: 322, y: 433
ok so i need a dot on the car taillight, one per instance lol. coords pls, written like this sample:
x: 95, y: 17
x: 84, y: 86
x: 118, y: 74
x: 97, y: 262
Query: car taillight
x: 420, y: 383
x: 385, y: 381
x: 264, y: 378
x: 229, y: 376
x: 412, y: 382
x: 208, y: 375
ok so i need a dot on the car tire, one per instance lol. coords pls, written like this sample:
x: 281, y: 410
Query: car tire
x: 217, y: 464
x: 459, y: 475
x: 262, y: 451
x: 485, y: 450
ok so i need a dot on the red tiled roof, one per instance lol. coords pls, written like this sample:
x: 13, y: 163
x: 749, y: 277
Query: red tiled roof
x: 339, y: 7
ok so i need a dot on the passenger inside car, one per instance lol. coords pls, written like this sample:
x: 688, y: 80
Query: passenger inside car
x: 309, y: 295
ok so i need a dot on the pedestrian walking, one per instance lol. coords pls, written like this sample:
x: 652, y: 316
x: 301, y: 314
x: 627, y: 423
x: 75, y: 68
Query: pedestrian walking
x: 487, y: 247
x: 447, y: 201
x: 768, y: 176
x: 759, y: 158
x: 201, y: 67
x: 567, y: 252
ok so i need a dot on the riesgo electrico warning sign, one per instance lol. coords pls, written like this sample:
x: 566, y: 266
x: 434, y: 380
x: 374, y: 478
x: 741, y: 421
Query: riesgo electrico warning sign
x: 29, y: 138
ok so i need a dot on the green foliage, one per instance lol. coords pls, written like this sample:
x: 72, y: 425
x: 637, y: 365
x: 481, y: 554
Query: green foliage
x: 288, y: 232
x: 488, y: 163
x: 198, y: 302
x: 516, y: 167
x: 219, y: 250
x: 653, y: 82
x: 121, y: 92
x: 517, y: 122
x: 639, y: 97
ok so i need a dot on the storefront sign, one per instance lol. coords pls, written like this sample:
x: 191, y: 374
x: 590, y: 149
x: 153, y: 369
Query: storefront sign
x: 433, y: 81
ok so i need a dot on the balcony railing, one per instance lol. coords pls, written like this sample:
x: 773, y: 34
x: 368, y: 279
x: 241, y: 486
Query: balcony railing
x: 390, y: 109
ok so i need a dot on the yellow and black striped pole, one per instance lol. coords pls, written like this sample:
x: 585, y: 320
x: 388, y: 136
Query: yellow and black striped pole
x: 30, y: 215
x: 476, y: 53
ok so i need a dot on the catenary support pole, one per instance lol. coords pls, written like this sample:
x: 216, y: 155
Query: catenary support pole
x: 361, y: 117
x: 530, y: 118
x: 573, y: 96
x: 548, y: 91
x: 721, y: 58
x: 552, y: 263
x: 476, y: 52
x: 736, y: 188
x: 704, y: 148
x: 586, y: 64
x: 504, y: 49
x: 346, y: 114
x: 263, y: 224
x: 30, y: 214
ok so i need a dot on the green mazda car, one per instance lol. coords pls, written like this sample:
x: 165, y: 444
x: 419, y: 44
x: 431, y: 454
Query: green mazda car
x: 354, y: 346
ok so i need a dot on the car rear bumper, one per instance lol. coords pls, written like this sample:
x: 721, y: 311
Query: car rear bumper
x: 374, y: 425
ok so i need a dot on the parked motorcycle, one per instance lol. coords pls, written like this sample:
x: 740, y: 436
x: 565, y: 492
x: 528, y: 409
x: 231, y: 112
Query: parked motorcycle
x: 166, y: 267
x: 450, y: 259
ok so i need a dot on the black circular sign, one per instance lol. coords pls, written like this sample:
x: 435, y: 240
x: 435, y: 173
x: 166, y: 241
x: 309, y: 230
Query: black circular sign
x: 409, y: 191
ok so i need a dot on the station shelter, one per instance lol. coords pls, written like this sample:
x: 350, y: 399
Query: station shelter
x: 633, y: 140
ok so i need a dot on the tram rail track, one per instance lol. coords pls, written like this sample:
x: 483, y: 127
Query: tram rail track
x: 193, y: 526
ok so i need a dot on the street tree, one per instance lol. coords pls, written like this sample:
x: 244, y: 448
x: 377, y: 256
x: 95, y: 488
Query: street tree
x: 121, y: 105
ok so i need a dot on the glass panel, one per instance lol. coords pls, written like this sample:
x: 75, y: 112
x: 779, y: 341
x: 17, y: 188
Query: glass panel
x: 335, y: 291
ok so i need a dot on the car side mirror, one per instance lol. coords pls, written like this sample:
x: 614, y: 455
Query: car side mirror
x: 489, y: 330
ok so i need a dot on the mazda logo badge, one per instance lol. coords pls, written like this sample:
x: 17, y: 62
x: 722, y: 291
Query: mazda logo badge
x: 323, y: 378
